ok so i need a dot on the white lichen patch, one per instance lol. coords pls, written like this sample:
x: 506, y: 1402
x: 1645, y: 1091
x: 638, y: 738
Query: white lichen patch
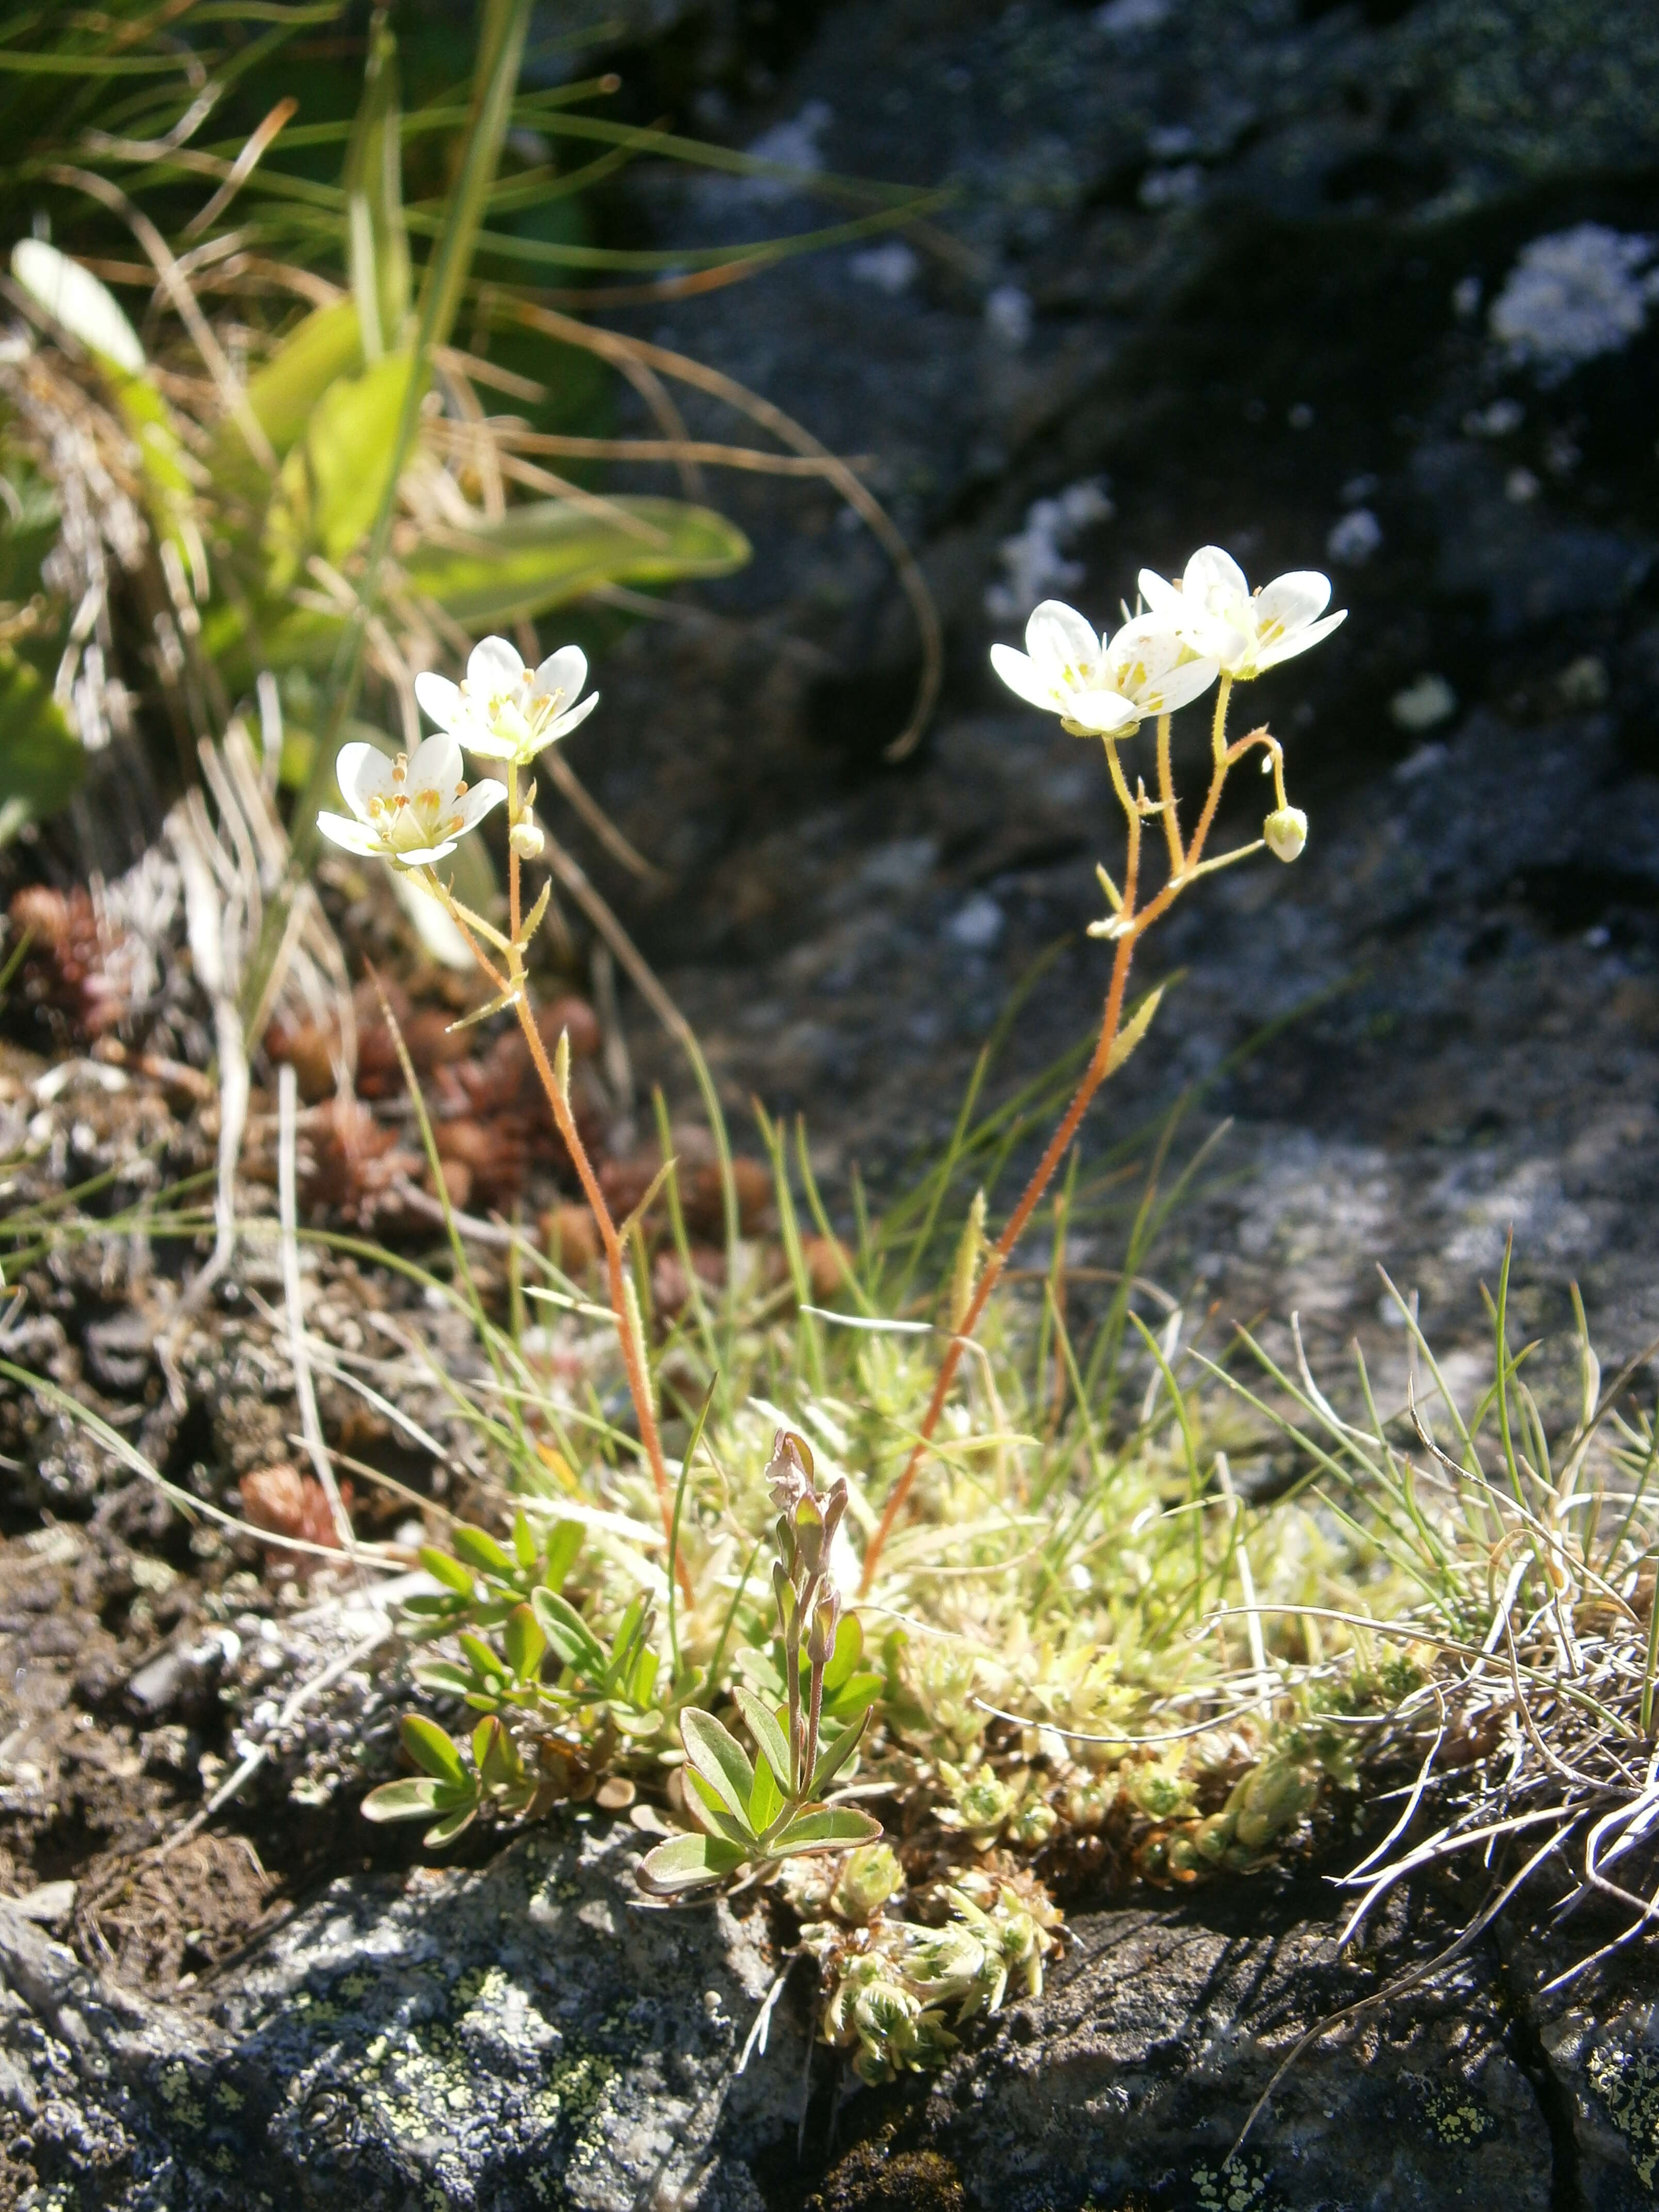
x: 1035, y: 561
x: 1573, y: 296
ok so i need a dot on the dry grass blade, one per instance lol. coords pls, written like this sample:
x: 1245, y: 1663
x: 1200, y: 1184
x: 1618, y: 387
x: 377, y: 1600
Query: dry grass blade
x: 310, y: 1422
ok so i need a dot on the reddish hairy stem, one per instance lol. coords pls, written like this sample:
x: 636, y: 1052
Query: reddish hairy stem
x: 1094, y: 1075
x: 639, y: 1380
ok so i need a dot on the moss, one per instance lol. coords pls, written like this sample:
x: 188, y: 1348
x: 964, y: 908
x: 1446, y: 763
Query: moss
x: 875, y: 2178
x: 1627, y: 2083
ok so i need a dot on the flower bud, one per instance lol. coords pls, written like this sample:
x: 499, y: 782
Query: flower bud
x: 809, y: 1533
x: 527, y: 839
x: 1284, y: 832
x: 821, y: 1635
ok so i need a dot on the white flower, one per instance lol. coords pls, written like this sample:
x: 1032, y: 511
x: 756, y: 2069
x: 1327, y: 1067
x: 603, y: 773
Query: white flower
x: 1096, y: 685
x: 502, y: 710
x: 409, y: 811
x: 1214, y: 611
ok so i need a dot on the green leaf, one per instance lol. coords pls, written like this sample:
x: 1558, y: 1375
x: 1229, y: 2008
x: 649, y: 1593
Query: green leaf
x: 30, y: 518
x: 545, y: 552
x: 1132, y: 1031
x: 767, y: 1731
x: 710, y: 1814
x: 480, y: 1549
x: 687, y: 1862
x: 41, y: 761
x: 826, y: 1828
x: 377, y: 240
x: 716, y: 1754
x: 445, y: 1570
x: 442, y: 1675
x: 329, y: 488
x: 568, y: 1633
x: 416, y: 1799
x: 429, y: 1747
x: 566, y: 1541
x: 855, y: 1694
x: 428, y: 1605
x: 766, y: 1799
x: 837, y: 1754
x: 496, y: 1756
x: 451, y: 1825
x: 486, y: 1661
x: 284, y: 393
x: 643, y: 1679
x: 525, y: 1643
x: 849, y: 1649
x: 523, y: 1542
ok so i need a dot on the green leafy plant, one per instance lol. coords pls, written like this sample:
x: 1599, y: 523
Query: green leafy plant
x: 755, y: 1814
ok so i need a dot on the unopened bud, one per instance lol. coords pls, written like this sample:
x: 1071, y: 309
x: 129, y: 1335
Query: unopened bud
x: 1284, y: 832
x: 821, y: 1635
x: 527, y: 839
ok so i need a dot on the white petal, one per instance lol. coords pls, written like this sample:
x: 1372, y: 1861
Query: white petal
x: 1293, y: 599
x: 426, y: 854
x: 564, y: 724
x: 477, y: 803
x: 1058, y: 640
x: 1023, y: 676
x: 485, y: 742
x: 1102, y: 712
x: 1148, y: 640
x: 1214, y: 576
x: 565, y: 671
x: 362, y: 772
x: 495, y: 665
x: 352, y: 835
x: 441, y: 700
x: 1182, y: 685
x: 1286, y: 648
x: 1160, y: 594
x: 436, y: 764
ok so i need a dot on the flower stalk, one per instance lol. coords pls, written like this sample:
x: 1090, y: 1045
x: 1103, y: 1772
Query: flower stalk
x: 1208, y: 627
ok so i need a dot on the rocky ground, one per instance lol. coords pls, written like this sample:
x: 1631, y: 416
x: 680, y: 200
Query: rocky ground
x: 1266, y: 275
x: 1247, y: 275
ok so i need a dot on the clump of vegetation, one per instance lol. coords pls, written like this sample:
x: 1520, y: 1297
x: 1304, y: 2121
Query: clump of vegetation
x: 879, y: 1574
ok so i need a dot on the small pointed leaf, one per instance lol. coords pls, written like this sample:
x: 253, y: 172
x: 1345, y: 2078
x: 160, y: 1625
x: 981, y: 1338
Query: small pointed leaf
x: 1133, y: 1030
x: 445, y: 1570
x: 478, y: 1547
x: 839, y: 1753
x: 523, y: 1638
x: 568, y: 1633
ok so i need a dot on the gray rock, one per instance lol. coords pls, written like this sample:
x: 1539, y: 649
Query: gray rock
x: 527, y: 2034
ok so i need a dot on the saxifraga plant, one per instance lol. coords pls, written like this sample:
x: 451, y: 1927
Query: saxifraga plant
x: 413, y: 812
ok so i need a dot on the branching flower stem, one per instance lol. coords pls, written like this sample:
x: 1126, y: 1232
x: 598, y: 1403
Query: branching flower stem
x: 1187, y: 863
